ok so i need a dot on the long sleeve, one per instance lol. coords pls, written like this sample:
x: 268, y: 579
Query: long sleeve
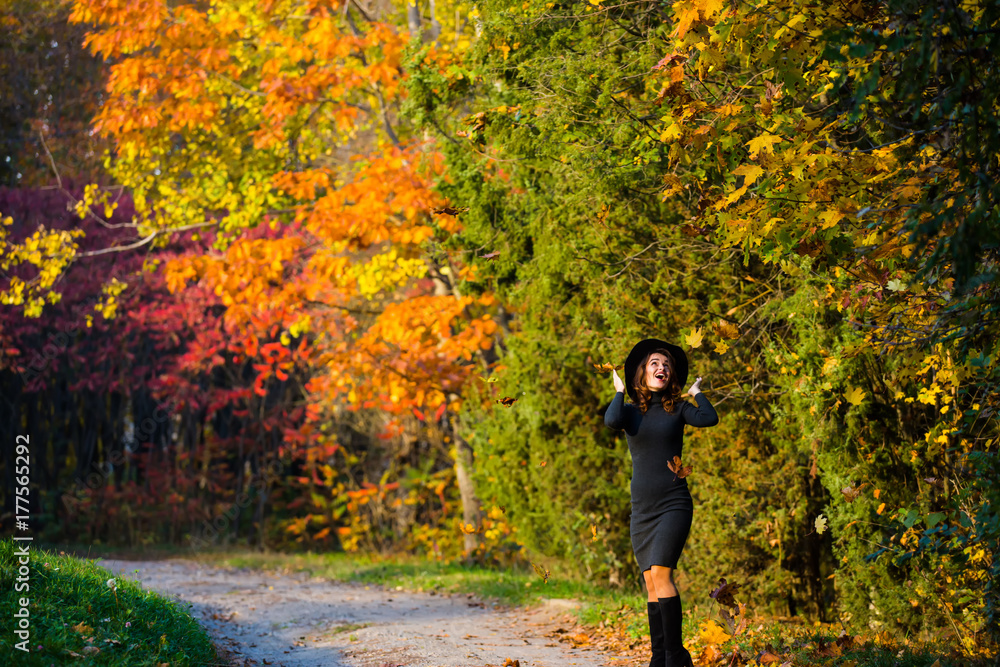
x: 620, y: 416
x: 701, y: 415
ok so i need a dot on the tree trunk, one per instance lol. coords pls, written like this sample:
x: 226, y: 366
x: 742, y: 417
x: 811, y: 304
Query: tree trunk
x: 413, y: 18
x: 435, y: 24
x: 467, y: 491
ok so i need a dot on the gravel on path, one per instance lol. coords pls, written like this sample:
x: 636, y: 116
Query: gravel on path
x: 295, y: 620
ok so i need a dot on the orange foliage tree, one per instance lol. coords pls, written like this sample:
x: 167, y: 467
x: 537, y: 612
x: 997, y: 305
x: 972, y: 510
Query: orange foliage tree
x: 282, y: 116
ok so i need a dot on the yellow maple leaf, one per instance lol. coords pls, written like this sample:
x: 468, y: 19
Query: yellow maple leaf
x: 721, y: 347
x: 733, y: 196
x: 749, y: 172
x: 709, y: 8
x: 830, y: 217
x: 694, y: 338
x: 855, y: 395
x: 711, y: 633
x: 685, y: 13
x: 764, y: 142
x: 729, y: 109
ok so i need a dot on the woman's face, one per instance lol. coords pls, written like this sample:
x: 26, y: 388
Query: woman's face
x: 657, y: 372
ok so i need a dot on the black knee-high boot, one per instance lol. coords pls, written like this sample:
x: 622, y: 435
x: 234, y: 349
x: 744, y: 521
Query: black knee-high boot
x: 656, y: 635
x: 670, y: 613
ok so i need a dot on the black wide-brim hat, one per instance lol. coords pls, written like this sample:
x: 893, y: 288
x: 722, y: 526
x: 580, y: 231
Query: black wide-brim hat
x: 643, y: 348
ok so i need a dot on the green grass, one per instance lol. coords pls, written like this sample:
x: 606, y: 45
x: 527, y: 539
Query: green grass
x: 71, y: 607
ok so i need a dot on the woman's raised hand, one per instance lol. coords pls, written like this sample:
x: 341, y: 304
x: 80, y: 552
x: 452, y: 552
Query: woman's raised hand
x: 619, y: 385
x: 695, y: 388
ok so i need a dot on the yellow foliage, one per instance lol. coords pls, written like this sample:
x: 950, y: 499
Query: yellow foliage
x: 711, y: 633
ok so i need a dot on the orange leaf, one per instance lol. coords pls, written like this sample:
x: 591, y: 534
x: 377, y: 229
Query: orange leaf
x: 680, y: 470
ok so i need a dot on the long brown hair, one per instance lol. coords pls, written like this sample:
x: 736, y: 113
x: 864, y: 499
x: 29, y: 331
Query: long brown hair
x: 672, y: 392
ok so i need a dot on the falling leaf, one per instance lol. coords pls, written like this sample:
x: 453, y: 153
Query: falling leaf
x: 542, y: 464
x: 449, y: 210
x: 881, y: 508
x: 721, y: 347
x: 593, y: 532
x: 506, y: 401
x: 855, y: 395
x: 490, y: 255
x: 851, y: 493
x: 541, y: 572
x: 723, y: 594
x: 694, y: 338
x: 726, y: 330
x: 680, y: 471
x: 877, y: 493
x: 820, y: 524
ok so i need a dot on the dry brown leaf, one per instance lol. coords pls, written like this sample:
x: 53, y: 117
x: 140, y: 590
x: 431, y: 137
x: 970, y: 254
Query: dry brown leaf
x: 724, y: 593
x: 678, y: 468
x: 852, y: 492
x: 726, y: 330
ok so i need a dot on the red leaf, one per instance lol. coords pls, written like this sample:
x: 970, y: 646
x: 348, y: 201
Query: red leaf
x: 439, y: 411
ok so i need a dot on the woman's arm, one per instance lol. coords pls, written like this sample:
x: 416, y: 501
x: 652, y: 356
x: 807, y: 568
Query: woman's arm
x: 703, y: 414
x: 618, y: 415
x: 615, y: 416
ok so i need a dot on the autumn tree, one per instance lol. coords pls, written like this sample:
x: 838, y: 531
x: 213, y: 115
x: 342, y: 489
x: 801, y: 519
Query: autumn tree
x: 799, y: 194
x: 284, y: 115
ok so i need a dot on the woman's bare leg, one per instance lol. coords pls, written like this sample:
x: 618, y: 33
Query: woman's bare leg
x: 650, y: 586
x: 663, y: 581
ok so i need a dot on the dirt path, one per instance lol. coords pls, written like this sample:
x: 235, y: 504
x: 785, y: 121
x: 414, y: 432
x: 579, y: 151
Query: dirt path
x: 294, y: 620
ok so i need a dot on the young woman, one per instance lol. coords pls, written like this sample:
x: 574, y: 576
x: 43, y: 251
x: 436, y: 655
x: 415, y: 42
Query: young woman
x: 661, y: 503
